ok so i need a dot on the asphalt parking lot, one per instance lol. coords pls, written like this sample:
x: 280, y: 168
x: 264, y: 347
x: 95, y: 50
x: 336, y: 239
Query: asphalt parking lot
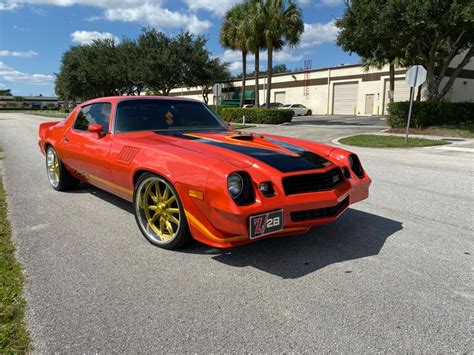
x: 326, y: 128
x: 394, y: 274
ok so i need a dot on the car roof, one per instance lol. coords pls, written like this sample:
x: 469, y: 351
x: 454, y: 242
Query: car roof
x: 115, y: 99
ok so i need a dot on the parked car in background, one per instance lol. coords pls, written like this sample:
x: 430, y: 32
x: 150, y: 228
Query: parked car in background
x: 272, y: 105
x: 248, y: 106
x: 298, y: 109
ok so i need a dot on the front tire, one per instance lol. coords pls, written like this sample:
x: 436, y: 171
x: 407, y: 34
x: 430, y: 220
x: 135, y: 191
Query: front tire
x: 59, y: 177
x: 159, y: 212
x: 309, y: 113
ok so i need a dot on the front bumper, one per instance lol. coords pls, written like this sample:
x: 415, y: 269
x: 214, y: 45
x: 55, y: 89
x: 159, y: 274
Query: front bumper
x: 225, y: 228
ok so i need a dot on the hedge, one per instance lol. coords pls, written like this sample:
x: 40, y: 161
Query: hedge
x: 257, y: 115
x: 430, y: 113
x: 218, y: 108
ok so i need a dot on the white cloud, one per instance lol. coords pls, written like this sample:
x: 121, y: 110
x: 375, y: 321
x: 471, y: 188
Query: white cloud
x: 15, y: 76
x: 218, y: 8
x: 96, y: 3
x: 234, y: 58
x: 231, y: 56
x: 285, y: 56
x: 318, y: 33
x: 87, y: 37
x: 28, y: 54
x: 144, y: 12
x: 236, y: 67
x: 332, y: 2
x: 158, y: 16
x: 2, y: 85
x: 8, y: 6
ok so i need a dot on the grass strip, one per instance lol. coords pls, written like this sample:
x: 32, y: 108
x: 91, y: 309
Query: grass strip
x: 465, y: 130
x: 379, y: 141
x: 14, y: 336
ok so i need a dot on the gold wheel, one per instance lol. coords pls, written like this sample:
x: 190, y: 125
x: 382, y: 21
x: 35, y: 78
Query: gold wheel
x: 158, y: 210
x: 52, y: 165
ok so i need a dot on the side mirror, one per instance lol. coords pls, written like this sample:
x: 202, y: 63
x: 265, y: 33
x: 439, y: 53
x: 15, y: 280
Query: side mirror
x: 96, y: 128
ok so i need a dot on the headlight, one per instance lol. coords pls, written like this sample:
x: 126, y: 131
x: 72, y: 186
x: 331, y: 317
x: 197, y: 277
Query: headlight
x: 235, y: 185
x: 241, y: 189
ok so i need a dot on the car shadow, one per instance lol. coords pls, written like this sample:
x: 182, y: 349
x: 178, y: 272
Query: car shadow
x: 355, y: 235
x: 85, y: 188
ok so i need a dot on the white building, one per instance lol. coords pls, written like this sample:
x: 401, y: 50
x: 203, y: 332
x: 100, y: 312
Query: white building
x: 341, y: 90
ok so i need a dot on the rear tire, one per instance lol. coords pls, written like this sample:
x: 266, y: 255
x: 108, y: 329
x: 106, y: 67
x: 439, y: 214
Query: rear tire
x: 59, y: 177
x: 159, y: 212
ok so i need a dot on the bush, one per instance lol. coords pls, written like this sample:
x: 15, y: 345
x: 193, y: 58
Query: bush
x: 257, y: 115
x: 430, y: 113
x: 218, y: 108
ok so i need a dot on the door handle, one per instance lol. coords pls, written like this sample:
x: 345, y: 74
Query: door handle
x: 66, y: 139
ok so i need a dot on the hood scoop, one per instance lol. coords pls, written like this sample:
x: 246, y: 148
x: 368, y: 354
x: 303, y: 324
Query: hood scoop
x: 243, y: 137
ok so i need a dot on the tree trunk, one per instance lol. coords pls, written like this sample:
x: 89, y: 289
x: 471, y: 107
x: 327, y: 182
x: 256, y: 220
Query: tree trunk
x: 269, y: 76
x: 431, y: 85
x: 257, y: 73
x: 455, y: 74
x: 392, y: 79
x: 418, y: 95
x: 205, y: 94
x: 244, y: 77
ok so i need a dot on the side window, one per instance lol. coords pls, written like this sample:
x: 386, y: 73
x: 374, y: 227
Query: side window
x: 93, y: 114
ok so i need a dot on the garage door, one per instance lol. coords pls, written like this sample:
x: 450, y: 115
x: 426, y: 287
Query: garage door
x: 345, y: 98
x: 402, y: 92
x: 280, y: 97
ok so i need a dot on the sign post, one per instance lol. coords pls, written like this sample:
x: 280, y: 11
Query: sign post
x: 414, y: 77
x: 217, y: 92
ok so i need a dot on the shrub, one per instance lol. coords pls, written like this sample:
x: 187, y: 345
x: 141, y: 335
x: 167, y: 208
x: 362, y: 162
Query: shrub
x: 218, y: 108
x: 257, y: 115
x: 430, y: 113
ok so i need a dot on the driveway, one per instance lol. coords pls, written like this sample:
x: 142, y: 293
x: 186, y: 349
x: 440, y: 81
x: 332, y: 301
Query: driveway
x: 325, y: 128
x: 392, y: 275
x: 341, y: 121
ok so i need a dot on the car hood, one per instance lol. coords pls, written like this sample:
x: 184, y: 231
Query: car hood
x: 245, y: 149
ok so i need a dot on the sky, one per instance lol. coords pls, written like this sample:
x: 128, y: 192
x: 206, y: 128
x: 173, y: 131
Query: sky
x: 35, y: 33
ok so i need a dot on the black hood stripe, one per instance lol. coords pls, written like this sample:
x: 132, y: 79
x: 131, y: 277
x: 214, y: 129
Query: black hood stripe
x: 305, y: 160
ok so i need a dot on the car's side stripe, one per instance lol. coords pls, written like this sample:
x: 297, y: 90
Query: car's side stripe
x: 98, y: 180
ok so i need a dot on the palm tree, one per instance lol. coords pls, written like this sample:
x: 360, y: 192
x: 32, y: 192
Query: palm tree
x: 256, y: 39
x: 283, y: 26
x: 233, y: 35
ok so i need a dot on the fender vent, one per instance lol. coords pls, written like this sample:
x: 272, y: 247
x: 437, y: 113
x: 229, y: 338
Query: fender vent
x: 127, y: 154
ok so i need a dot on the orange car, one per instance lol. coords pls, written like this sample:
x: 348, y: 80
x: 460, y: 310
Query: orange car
x: 189, y: 175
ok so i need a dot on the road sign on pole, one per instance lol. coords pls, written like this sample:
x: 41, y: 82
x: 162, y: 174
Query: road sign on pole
x: 217, y: 93
x: 217, y: 90
x: 414, y: 77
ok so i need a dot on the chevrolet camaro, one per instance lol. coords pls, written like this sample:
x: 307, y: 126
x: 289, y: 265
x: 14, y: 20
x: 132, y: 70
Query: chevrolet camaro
x: 189, y: 176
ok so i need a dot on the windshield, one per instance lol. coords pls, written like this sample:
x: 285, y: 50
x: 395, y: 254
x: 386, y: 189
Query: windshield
x: 164, y: 114
x: 287, y: 105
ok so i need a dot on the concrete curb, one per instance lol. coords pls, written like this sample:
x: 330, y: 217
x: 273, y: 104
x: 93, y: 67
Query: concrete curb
x: 454, y: 142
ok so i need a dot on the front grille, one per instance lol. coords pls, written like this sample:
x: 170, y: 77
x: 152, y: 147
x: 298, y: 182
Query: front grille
x: 300, y: 184
x: 299, y: 216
